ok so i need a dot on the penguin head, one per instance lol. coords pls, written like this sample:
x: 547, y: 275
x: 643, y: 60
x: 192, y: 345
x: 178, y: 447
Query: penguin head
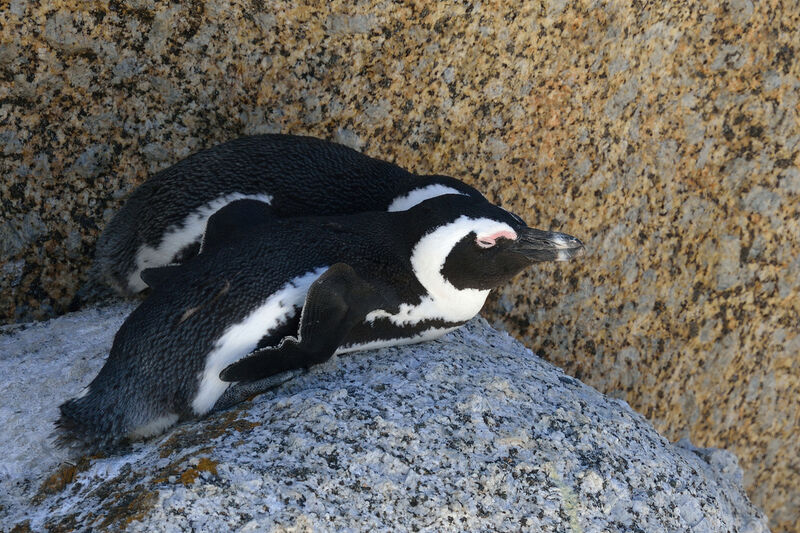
x: 472, y: 244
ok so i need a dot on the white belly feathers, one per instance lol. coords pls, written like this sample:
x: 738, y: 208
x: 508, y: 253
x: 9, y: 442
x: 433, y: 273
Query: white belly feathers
x: 428, y: 335
x: 242, y: 338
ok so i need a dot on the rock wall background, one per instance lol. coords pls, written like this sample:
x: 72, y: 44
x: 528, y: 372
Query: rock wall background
x: 665, y: 135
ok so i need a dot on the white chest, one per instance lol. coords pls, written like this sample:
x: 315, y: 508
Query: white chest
x: 452, y: 306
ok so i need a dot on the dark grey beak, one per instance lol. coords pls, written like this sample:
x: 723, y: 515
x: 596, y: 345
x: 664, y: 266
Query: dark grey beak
x: 538, y: 245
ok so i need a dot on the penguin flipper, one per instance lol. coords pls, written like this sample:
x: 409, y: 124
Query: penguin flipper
x: 239, y: 392
x: 159, y: 276
x: 337, y: 301
x: 235, y: 219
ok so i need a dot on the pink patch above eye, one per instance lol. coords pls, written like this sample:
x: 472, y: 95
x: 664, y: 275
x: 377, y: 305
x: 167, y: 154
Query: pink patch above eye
x: 487, y: 241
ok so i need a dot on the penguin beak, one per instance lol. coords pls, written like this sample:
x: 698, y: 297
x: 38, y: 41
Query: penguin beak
x: 538, y: 245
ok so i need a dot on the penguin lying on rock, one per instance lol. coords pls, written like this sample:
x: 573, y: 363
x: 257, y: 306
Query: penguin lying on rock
x: 164, y: 218
x: 266, y: 296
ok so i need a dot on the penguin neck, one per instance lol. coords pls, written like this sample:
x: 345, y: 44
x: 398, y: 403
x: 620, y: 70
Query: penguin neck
x: 443, y: 298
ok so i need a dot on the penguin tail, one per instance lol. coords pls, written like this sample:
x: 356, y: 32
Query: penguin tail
x: 68, y: 435
x: 76, y: 431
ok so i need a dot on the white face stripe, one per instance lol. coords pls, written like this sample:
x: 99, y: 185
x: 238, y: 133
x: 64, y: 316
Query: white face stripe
x: 429, y: 335
x: 443, y: 301
x: 429, y: 254
x: 417, y: 196
x: 178, y: 236
x: 242, y: 338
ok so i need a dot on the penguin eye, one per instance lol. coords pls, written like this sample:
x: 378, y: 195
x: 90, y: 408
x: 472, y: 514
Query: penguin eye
x: 487, y: 241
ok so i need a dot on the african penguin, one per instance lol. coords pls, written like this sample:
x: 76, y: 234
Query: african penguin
x: 268, y: 295
x: 163, y: 219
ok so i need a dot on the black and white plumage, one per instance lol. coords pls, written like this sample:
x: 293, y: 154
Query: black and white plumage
x: 164, y: 218
x: 281, y: 294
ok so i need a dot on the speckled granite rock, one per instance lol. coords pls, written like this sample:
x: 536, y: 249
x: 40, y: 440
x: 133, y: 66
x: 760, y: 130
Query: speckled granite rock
x: 472, y: 432
x: 665, y: 135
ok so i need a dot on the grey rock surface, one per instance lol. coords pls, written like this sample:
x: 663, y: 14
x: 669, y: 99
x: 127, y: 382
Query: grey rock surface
x: 471, y: 432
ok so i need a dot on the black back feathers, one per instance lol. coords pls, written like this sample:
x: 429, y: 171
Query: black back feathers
x: 159, y: 276
x: 234, y: 221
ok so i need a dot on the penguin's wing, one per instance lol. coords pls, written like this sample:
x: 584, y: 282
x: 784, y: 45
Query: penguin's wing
x: 337, y: 301
x: 159, y: 276
x: 234, y: 220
